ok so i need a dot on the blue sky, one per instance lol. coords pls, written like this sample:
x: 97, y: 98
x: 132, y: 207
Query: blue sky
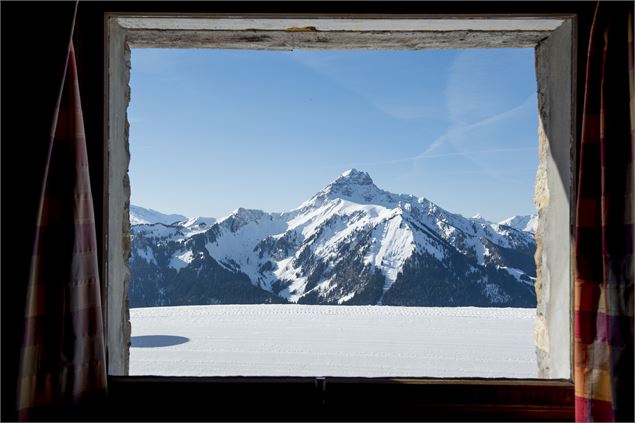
x: 213, y: 130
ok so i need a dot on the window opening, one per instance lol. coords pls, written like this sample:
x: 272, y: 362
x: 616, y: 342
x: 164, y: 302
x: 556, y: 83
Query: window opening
x: 304, y: 265
x: 552, y: 39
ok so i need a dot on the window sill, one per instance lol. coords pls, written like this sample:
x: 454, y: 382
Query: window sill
x: 273, y: 398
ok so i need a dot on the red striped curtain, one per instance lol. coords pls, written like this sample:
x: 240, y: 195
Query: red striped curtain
x: 603, y: 349
x: 62, y: 363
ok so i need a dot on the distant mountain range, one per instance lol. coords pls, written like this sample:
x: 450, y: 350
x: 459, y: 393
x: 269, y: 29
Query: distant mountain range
x: 140, y: 216
x: 522, y: 223
x: 351, y: 243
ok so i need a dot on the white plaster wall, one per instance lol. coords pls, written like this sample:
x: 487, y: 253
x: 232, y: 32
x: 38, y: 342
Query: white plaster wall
x: 554, y: 58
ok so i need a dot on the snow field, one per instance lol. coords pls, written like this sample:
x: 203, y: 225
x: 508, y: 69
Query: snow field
x: 308, y: 340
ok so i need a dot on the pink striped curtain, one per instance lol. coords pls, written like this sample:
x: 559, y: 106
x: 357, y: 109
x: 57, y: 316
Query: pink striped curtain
x: 62, y: 363
x: 603, y: 348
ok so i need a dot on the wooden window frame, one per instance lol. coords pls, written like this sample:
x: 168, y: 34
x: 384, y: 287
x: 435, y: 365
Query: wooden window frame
x: 533, y: 399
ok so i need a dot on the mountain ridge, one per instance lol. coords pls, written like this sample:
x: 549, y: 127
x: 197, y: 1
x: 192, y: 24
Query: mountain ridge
x: 350, y: 243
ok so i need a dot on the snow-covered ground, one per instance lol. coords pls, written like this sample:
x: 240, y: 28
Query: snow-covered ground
x: 307, y: 340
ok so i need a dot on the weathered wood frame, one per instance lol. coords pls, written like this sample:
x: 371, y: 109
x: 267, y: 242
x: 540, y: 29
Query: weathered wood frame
x: 552, y: 36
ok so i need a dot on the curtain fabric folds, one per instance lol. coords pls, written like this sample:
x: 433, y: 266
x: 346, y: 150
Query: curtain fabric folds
x: 603, y: 346
x: 63, y: 352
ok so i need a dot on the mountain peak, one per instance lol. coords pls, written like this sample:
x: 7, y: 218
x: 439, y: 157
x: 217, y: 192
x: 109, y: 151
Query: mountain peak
x: 197, y: 221
x: 479, y: 218
x: 250, y: 214
x: 528, y: 223
x: 145, y: 216
x: 358, y: 187
x: 352, y: 184
x: 356, y: 177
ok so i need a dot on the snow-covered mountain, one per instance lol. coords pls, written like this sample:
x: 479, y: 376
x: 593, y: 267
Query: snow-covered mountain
x: 351, y: 243
x: 522, y: 223
x: 140, y: 216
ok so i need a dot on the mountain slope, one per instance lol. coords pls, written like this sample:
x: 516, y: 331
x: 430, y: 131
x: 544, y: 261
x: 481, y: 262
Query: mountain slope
x: 141, y: 215
x: 522, y: 223
x: 351, y: 243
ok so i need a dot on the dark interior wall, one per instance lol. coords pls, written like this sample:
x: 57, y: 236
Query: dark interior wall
x: 34, y: 40
x: 32, y: 65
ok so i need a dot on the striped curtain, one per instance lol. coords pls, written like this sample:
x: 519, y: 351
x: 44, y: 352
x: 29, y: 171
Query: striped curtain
x: 62, y: 363
x: 603, y: 346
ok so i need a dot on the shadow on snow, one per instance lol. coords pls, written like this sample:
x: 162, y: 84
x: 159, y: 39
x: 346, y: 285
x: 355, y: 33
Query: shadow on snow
x: 152, y: 341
